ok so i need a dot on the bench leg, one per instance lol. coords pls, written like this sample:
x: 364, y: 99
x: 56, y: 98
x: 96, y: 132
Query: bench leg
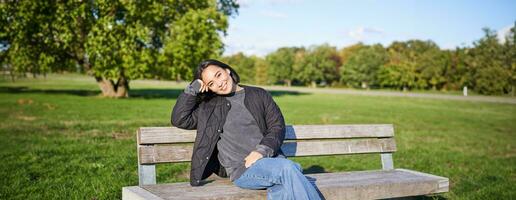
x: 387, y: 163
x: 147, y: 174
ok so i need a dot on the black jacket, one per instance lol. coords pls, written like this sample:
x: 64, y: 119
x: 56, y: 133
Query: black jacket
x: 209, y: 116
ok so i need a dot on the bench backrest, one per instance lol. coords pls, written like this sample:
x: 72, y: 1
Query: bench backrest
x: 170, y: 144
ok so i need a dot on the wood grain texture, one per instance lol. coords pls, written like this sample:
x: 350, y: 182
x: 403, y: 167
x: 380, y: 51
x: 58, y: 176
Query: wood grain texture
x: 151, y: 154
x: 376, y: 184
x: 170, y: 135
x: 138, y: 193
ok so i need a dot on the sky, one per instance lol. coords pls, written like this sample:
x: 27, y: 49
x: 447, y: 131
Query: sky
x: 262, y: 26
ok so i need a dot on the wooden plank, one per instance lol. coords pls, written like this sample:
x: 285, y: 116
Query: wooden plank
x: 375, y: 184
x: 137, y: 193
x: 339, y: 131
x: 336, y: 147
x: 169, y: 135
x: 444, y: 183
x: 179, y: 153
x: 150, y: 154
x: 164, y: 135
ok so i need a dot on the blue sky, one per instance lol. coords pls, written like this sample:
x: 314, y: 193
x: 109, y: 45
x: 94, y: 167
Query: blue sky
x: 264, y: 25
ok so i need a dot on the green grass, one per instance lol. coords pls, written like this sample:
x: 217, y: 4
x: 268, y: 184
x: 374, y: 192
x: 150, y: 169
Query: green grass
x: 61, y: 141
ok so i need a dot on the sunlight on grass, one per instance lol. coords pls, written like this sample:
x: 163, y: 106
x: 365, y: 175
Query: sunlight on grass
x: 63, y: 141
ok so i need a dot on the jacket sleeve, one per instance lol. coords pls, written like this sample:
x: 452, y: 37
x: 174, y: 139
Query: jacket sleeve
x: 275, y: 133
x: 184, y: 113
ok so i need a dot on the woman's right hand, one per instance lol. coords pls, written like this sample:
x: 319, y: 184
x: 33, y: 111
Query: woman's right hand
x: 204, y: 87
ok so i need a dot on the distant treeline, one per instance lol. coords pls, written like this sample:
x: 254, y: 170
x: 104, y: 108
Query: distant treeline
x: 488, y: 67
x: 115, y: 43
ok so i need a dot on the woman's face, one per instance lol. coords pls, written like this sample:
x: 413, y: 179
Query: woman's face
x: 217, y: 79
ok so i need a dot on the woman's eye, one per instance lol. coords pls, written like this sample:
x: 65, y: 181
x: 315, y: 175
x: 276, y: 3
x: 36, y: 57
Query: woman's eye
x: 218, y: 75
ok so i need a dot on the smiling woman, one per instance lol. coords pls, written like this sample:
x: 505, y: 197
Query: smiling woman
x: 240, y: 130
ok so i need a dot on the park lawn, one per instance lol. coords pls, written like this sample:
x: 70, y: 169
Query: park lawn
x: 61, y: 141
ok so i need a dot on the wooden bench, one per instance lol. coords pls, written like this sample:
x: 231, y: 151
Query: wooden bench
x: 170, y: 145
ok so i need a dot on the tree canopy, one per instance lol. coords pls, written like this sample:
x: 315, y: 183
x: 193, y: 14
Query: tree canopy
x: 113, y: 41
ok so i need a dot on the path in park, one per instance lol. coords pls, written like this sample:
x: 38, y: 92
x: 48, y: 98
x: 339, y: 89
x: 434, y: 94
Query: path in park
x: 477, y: 98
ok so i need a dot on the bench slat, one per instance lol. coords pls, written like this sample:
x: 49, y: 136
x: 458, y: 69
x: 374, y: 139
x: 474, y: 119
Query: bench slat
x: 151, y: 154
x: 169, y: 135
x: 375, y: 184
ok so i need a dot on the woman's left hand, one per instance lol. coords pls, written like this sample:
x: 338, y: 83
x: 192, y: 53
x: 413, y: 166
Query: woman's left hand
x: 251, y: 158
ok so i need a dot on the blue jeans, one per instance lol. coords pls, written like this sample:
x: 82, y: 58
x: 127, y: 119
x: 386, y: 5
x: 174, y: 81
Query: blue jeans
x: 282, y: 178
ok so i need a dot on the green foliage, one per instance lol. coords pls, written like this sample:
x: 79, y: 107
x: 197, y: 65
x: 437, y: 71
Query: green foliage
x: 243, y: 65
x: 486, y: 61
x: 317, y: 65
x: 114, y: 40
x: 362, y: 67
x: 261, y: 71
x: 281, y: 64
x: 194, y: 38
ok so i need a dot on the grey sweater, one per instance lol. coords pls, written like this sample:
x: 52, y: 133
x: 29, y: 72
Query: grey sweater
x: 241, y: 134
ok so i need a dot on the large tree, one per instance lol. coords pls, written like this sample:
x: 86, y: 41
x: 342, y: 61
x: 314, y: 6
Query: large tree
x: 362, y: 67
x: 510, y: 58
x: 243, y: 65
x: 114, y: 41
x: 319, y: 64
x: 281, y: 64
x: 487, y: 63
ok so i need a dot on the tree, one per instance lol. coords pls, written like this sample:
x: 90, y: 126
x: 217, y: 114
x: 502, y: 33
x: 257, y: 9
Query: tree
x: 346, y: 52
x: 319, y: 64
x: 25, y: 31
x: 114, y: 41
x: 456, y: 71
x: 242, y: 64
x: 401, y: 69
x: 486, y: 60
x: 362, y: 67
x: 510, y: 58
x: 261, y: 67
x: 430, y: 63
x: 281, y: 63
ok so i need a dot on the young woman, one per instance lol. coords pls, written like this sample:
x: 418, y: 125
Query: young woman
x: 240, y: 130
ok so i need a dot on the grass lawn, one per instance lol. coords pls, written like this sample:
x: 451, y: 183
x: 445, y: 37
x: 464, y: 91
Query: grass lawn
x: 61, y: 141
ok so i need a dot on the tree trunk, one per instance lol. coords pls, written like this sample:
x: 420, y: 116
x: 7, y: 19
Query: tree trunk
x: 289, y: 83
x: 11, y: 73
x: 314, y: 84
x: 120, y: 89
x: 106, y: 86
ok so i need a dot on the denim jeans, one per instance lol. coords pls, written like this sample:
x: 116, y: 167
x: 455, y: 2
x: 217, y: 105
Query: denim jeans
x: 282, y: 178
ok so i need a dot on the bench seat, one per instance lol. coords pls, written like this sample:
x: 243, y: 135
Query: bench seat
x: 374, y: 184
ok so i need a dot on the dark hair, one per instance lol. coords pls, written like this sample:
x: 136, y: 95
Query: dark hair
x: 203, y: 65
x: 206, y: 63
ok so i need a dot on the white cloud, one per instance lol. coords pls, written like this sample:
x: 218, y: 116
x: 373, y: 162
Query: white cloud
x: 248, y: 49
x: 363, y: 33
x: 502, y: 33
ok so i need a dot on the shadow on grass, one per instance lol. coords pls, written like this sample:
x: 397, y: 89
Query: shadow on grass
x: 314, y: 169
x: 436, y: 197
x: 133, y: 93
x: 21, y: 90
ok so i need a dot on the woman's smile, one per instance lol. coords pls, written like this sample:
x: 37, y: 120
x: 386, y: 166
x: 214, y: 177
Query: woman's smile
x: 224, y: 86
